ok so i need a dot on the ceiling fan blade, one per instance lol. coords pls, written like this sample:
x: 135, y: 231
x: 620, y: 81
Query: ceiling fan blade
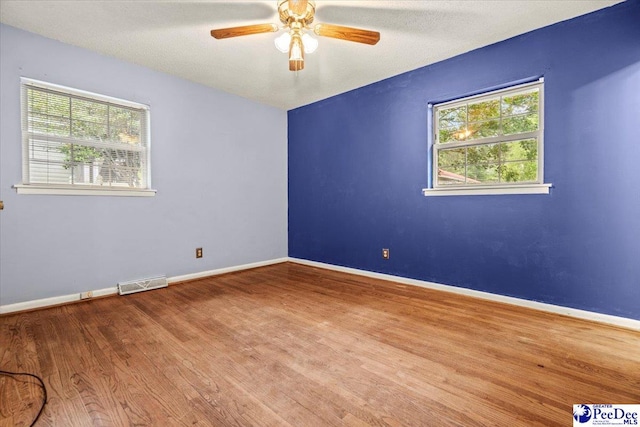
x: 224, y: 33
x: 298, y: 7
x: 347, y: 33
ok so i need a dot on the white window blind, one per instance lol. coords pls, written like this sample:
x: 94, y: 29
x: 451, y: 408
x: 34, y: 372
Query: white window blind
x: 74, y: 139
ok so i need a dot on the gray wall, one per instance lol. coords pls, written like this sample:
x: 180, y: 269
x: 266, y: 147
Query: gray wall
x: 219, y: 163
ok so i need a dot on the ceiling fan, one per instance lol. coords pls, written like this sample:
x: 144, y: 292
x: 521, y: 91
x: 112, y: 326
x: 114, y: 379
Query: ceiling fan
x: 296, y: 17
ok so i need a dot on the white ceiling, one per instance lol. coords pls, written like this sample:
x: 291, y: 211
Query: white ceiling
x: 173, y: 37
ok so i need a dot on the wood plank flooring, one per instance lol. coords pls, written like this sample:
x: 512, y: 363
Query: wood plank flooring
x: 291, y: 345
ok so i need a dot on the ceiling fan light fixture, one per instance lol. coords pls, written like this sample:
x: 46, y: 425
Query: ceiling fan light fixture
x: 310, y: 44
x: 282, y: 43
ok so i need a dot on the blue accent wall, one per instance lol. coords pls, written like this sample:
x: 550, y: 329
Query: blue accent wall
x: 358, y: 162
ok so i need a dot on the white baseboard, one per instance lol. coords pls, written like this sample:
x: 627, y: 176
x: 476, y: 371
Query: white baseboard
x: 65, y: 299
x: 48, y: 302
x: 225, y: 270
x: 551, y: 308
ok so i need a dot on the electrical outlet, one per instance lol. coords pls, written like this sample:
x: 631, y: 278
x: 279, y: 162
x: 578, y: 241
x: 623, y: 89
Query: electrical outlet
x: 198, y: 252
x: 86, y: 295
x: 385, y: 253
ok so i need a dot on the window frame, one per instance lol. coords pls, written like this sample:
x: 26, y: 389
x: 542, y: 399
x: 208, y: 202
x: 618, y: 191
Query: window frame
x: 532, y: 187
x: 26, y: 187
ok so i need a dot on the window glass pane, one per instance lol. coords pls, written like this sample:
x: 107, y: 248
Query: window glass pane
x: 47, y: 163
x: 521, y: 103
x: 526, y: 149
x: 85, y: 173
x: 482, y: 173
x: 451, y: 175
x: 124, y: 125
x: 88, y: 111
x: 485, y: 110
x: 519, y: 171
x: 483, y: 153
x: 449, y: 135
x: 48, y: 103
x: 49, y: 124
x: 451, y: 166
x: 121, y: 168
x: 48, y: 173
x: 451, y: 157
x: 88, y: 130
x: 452, y: 117
x: 452, y: 123
x: 483, y: 129
x: 48, y: 113
x: 89, y: 120
x: 519, y: 124
x: 76, y: 154
x: 482, y: 163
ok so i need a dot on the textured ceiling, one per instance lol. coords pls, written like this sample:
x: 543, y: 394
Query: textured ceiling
x: 173, y: 37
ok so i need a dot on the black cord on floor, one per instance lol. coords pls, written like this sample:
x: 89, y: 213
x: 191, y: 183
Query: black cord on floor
x: 44, y: 390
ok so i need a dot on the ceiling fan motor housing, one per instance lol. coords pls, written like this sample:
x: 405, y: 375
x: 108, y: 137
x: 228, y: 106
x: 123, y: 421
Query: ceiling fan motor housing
x: 290, y: 16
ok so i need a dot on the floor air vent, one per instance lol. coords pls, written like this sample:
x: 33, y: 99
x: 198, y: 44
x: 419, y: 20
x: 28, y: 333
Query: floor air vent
x: 132, y: 286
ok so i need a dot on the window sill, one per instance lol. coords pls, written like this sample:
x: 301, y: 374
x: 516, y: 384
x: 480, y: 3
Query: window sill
x: 489, y: 190
x: 82, y: 191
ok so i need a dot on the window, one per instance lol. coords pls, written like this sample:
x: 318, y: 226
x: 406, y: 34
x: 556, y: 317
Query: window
x: 75, y: 142
x: 490, y: 143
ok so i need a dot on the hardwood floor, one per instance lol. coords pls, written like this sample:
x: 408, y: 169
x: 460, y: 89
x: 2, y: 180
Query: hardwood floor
x: 291, y: 345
